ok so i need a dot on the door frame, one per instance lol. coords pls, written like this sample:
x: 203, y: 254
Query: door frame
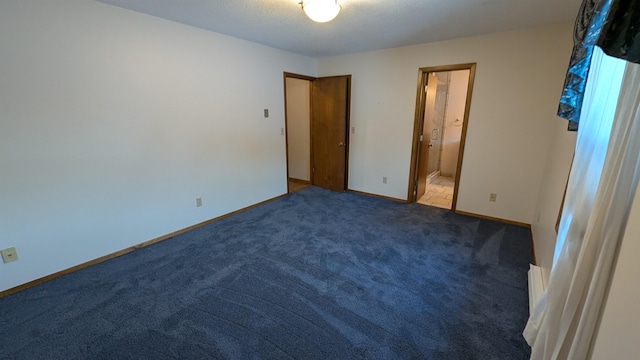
x: 311, y: 125
x: 286, y: 75
x: 419, y: 123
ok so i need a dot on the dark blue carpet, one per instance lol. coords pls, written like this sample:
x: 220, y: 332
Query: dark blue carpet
x: 313, y: 275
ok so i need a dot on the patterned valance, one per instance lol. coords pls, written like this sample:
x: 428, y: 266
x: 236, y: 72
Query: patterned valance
x: 614, y: 26
x: 620, y: 34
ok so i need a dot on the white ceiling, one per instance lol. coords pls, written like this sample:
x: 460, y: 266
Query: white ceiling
x: 362, y: 25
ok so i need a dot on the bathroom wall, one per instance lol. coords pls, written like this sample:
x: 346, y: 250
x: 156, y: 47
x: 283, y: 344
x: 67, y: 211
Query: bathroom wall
x: 432, y: 123
x: 452, y: 132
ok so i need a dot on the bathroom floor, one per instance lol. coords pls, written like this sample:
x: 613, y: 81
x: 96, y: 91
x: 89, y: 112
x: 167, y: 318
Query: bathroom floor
x: 439, y: 192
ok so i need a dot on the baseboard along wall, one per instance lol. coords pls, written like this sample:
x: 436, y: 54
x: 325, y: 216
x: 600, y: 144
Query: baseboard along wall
x: 127, y: 250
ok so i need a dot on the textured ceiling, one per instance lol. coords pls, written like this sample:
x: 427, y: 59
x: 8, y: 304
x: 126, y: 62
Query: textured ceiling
x: 362, y: 25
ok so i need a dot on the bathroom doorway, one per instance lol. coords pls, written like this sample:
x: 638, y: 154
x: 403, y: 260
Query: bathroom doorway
x: 442, y: 108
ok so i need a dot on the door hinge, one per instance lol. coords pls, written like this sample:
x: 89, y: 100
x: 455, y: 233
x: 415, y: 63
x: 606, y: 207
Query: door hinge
x: 313, y: 169
x: 415, y: 184
x: 421, y: 137
x: 426, y: 87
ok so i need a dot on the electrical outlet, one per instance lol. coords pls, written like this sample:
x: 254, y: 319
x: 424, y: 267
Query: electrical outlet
x: 492, y: 197
x: 281, y: 131
x: 353, y: 130
x: 198, y: 202
x: 266, y: 113
x: 384, y: 179
x: 9, y: 254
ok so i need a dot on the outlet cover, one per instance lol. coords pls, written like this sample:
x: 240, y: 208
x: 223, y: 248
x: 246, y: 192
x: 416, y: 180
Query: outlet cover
x: 198, y: 202
x: 384, y: 179
x: 9, y: 254
x: 493, y: 197
x: 266, y: 113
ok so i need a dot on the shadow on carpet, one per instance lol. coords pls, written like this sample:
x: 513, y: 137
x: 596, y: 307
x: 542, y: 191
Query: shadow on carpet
x: 313, y: 275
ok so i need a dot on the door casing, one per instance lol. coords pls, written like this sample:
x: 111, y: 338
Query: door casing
x: 423, y: 74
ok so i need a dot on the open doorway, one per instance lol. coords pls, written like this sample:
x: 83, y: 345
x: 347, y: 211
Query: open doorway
x: 442, y: 109
x: 297, y: 90
x: 316, y: 128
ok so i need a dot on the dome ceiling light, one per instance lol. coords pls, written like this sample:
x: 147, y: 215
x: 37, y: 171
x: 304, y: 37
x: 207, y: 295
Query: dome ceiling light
x: 321, y: 10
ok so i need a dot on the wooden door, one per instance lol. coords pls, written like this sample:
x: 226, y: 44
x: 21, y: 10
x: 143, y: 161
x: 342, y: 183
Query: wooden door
x: 330, y: 124
x: 425, y: 142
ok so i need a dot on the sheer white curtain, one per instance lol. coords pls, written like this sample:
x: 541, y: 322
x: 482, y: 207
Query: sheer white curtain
x: 603, y: 180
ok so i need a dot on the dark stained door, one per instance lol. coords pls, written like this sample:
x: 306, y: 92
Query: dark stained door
x: 330, y: 124
x: 425, y: 143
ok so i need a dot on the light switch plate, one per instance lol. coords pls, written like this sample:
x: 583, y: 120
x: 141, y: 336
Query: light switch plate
x: 9, y: 254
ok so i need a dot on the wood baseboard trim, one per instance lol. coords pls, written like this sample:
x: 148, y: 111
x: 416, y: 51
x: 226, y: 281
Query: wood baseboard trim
x: 127, y: 250
x: 378, y: 196
x: 510, y: 222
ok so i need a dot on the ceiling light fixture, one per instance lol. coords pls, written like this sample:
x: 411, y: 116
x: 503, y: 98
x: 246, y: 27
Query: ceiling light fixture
x: 321, y: 10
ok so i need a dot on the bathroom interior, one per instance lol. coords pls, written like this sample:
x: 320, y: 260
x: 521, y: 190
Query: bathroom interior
x: 443, y: 119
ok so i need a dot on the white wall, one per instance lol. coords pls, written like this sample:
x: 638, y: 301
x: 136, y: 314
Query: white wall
x: 113, y: 122
x: 456, y: 102
x: 619, y: 330
x: 518, y: 82
x: 555, y: 175
x: 299, y: 128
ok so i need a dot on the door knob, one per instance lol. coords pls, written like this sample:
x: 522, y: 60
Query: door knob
x: 340, y: 144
